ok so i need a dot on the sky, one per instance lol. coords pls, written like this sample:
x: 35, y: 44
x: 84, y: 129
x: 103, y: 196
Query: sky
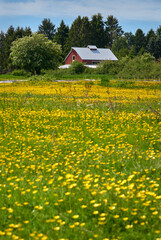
x: 131, y: 14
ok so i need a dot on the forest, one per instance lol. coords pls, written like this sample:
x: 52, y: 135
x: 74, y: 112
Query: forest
x: 84, y: 31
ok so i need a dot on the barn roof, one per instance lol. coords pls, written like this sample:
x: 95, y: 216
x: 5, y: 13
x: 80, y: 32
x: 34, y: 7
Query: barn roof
x: 94, y: 53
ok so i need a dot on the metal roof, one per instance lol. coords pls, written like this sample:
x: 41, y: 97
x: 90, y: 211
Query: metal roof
x: 95, y: 54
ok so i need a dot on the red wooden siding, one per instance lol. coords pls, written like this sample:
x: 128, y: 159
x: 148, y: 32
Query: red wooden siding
x: 89, y: 62
x: 69, y: 59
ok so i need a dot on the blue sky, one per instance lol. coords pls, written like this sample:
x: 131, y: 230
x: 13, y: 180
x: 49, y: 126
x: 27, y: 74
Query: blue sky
x: 132, y: 14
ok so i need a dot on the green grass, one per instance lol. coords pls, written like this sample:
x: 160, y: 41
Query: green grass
x: 79, y: 162
x: 11, y: 77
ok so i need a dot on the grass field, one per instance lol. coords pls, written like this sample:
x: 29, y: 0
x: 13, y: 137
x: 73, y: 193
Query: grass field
x: 80, y: 161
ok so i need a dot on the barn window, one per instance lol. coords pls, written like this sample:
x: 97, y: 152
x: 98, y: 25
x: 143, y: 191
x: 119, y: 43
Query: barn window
x: 73, y: 58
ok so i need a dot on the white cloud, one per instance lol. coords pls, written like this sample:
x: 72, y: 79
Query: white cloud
x: 147, y: 10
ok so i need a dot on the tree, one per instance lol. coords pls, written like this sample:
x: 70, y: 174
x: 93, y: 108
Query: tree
x: 151, y: 34
x: 61, y: 36
x: 85, y: 32
x: 20, y: 32
x: 120, y: 47
x: 34, y: 53
x: 113, y: 30
x: 74, y: 33
x: 159, y: 31
x: 140, y: 40
x: 154, y: 47
x: 151, y: 46
x: 47, y: 28
x: 2, y: 50
x: 97, y: 30
x: 130, y: 39
x: 7, y: 39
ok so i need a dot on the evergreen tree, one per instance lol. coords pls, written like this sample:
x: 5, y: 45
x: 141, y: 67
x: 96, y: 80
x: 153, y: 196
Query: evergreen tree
x: 158, y: 48
x: 97, y: 31
x: 140, y: 41
x: 61, y: 36
x: 6, y: 42
x: 130, y: 39
x: 74, y: 39
x: 120, y: 47
x: 2, y: 50
x: 47, y: 28
x: 154, y: 47
x: 151, y: 34
x: 159, y: 31
x: 113, y: 30
x: 151, y: 46
x: 27, y: 31
x: 85, y: 32
x: 9, y: 38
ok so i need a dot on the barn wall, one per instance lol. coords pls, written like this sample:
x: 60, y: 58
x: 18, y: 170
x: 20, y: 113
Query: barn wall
x: 69, y: 59
x: 89, y: 62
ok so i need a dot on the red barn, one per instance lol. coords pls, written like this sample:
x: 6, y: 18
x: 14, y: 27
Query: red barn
x: 91, y: 55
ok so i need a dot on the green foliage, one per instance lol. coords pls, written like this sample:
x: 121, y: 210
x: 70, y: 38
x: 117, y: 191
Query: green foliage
x: 61, y: 36
x: 120, y: 47
x: 21, y: 73
x: 140, y: 40
x: 113, y: 30
x: 105, y: 81
x: 47, y: 28
x: 140, y: 67
x: 77, y: 67
x: 109, y: 67
x: 154, y: 47
x: 35, y: 53
x: 97, y: 31
x: 5, y: 44
x: 74, y: 38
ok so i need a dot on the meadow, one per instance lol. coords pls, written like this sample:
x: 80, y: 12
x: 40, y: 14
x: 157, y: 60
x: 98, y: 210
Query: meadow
x: 80, y: 161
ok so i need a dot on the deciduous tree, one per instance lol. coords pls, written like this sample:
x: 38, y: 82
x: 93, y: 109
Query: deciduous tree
x: 34, y: 53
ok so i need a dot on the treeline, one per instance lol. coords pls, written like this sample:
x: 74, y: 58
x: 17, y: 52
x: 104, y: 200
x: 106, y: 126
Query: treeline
x: 85, y: 31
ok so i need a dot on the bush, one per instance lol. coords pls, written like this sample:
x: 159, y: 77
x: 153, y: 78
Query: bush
x: 140, y: 67
x: 109, y: 67
x: 21, y: 73
x: 77, y: 67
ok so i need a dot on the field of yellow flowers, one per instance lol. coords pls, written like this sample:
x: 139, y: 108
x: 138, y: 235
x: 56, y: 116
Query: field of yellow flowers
x: 79, y: 161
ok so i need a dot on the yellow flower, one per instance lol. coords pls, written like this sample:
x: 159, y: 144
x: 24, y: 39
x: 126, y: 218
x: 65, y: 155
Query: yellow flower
x: 83, y: 206
x: 2, y: 233
x: 155, y: 213
x: 72, y: 226
x: 95, y: 212
x: 56, y: 228
x: 75, y: 216
x: 26, y: 221
x: 10, y: 210
x: 143, y: 217
x: 116, y: 216
x: 129, y: 226
x: 82, y: 224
